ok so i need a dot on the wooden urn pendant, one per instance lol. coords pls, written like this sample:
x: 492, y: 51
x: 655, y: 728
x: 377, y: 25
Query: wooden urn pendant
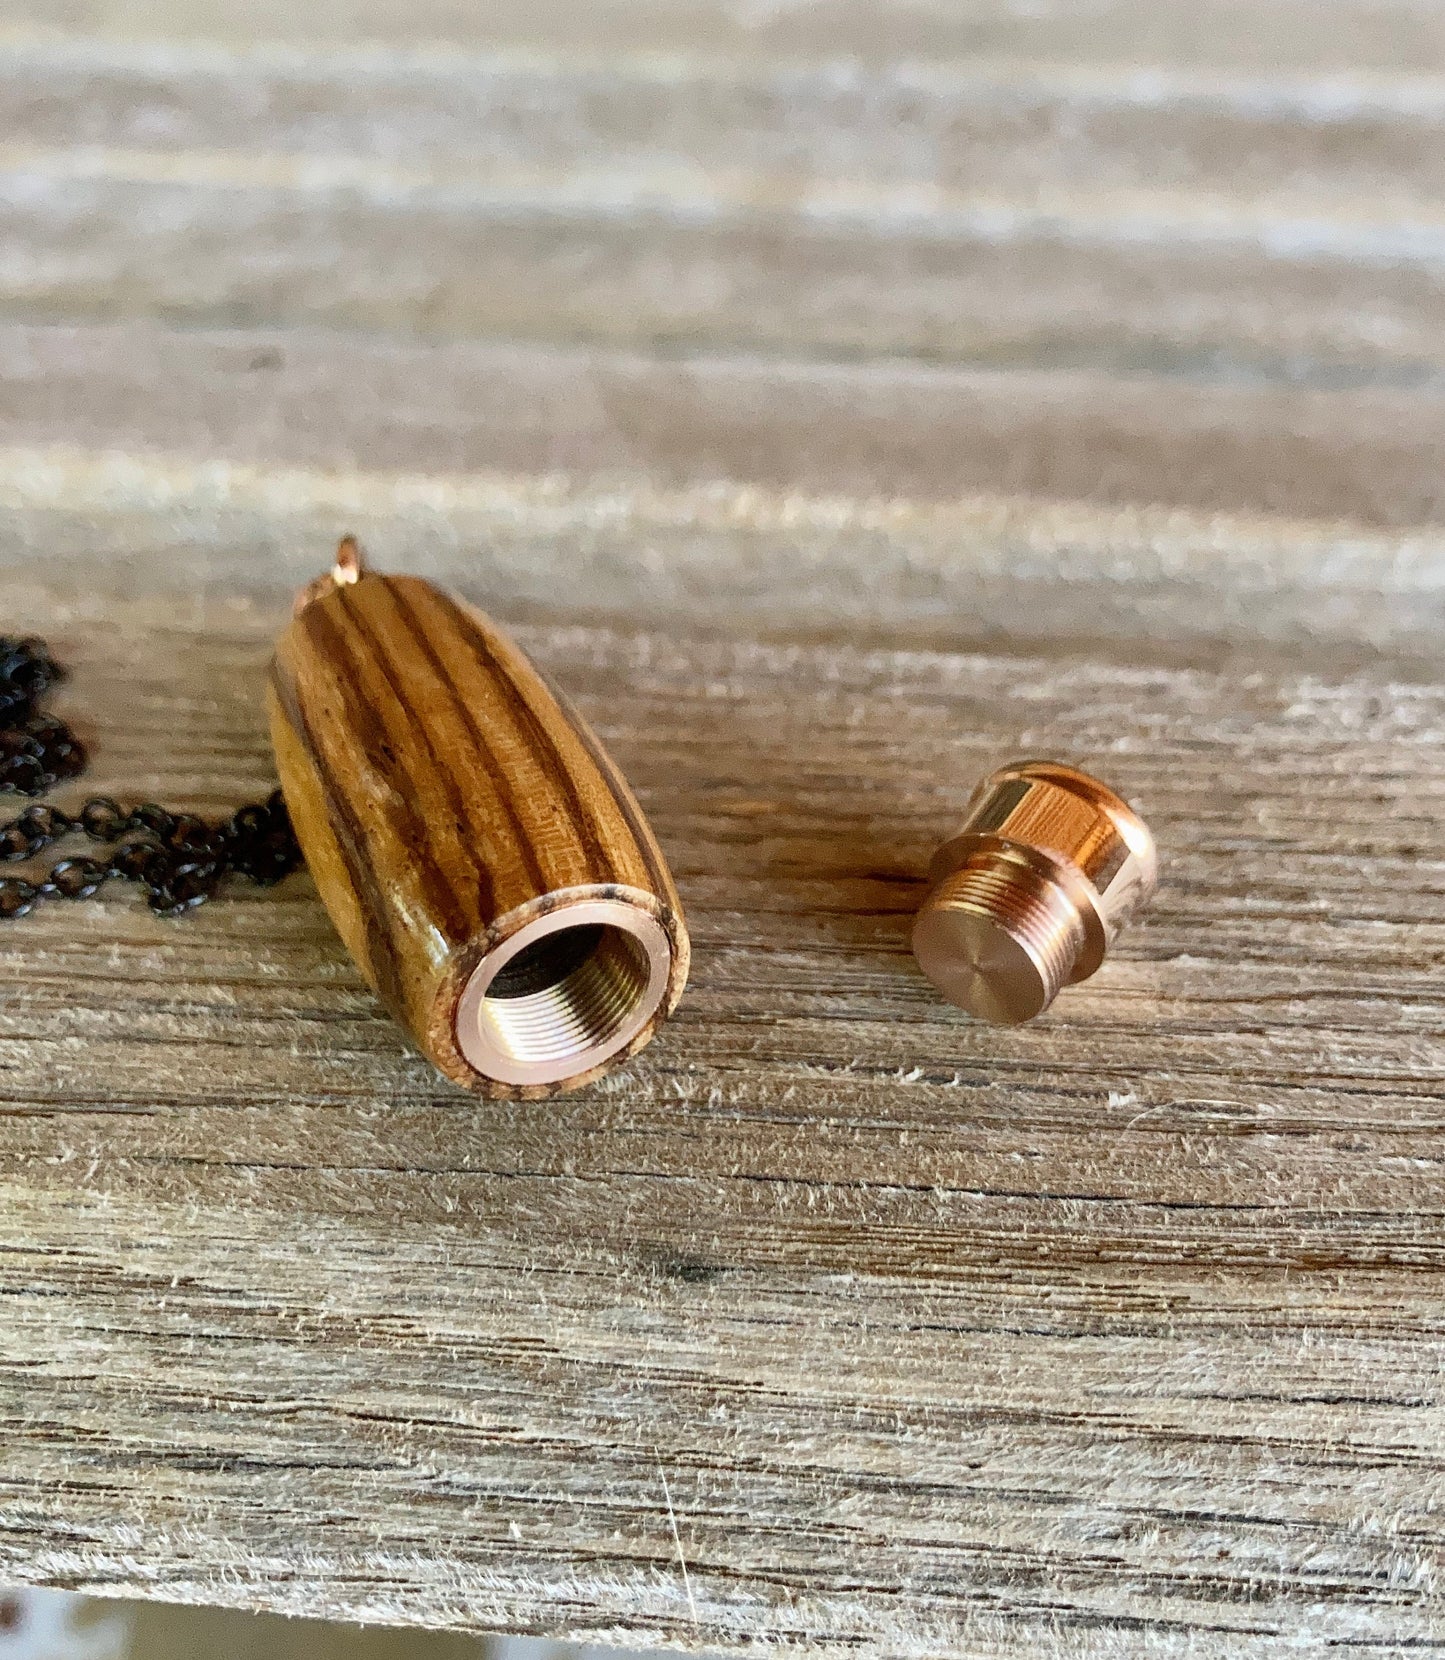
x: 482, y: 858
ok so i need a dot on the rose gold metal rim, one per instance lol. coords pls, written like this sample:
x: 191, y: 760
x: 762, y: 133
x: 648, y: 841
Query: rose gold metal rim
x: 591, y: 1014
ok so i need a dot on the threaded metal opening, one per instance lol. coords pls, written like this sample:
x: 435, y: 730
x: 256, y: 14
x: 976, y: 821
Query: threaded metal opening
x: 565, y: 995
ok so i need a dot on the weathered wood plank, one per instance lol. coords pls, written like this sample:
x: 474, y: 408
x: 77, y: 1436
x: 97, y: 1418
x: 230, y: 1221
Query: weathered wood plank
x: 1114, y: 284
x: 1199, y: 222
x: 1142, y: 583
x: 1034, y: 1310
x: 975, y: 125
x: 880, y: 429
x: 839, y: 400
x: 1336, y: 37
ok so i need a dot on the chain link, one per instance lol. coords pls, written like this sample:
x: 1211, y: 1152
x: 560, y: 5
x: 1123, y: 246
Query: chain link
x: 178, y: 858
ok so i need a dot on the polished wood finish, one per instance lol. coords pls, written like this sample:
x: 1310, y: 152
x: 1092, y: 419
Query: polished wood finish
x: 839, y: 400
x: 445, y: 797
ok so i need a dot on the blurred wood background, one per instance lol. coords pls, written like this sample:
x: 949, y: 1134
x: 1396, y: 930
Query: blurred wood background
x: 839, y: 398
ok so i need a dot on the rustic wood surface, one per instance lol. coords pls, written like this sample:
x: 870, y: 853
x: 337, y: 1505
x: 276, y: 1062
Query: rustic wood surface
x: 839, y: 400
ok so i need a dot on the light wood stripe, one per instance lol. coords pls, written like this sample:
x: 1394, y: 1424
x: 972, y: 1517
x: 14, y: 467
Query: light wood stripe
x: 62, y: 478
x: 1160, y: 584
x: 1339, y: 36
x: 884, y: 428
x: 1390, y: 233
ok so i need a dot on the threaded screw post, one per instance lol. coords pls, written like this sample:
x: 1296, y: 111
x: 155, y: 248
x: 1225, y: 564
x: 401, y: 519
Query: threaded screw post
x: 1027, y: 897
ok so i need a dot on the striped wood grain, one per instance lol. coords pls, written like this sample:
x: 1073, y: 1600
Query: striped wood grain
x: 444, y: 798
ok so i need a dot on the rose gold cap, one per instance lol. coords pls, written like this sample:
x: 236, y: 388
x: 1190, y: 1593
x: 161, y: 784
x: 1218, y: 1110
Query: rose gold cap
x: 1027, y: 897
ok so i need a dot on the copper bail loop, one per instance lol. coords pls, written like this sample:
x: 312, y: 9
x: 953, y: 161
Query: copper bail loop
x: 348, y: 567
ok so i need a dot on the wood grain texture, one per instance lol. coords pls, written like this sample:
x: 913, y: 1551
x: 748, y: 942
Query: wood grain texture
x: 445, y: 798
x: 840, y: 400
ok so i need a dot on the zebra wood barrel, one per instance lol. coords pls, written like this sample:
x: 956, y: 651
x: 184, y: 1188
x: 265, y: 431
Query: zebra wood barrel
x: 482, y: 858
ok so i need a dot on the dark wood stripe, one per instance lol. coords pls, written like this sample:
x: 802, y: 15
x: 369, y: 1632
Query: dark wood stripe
x: 383, y: 949
x: 502, y: 787
x: 477, y: 908
x: 335, y: 638
x: 531, y: 729
x: 641, y: 835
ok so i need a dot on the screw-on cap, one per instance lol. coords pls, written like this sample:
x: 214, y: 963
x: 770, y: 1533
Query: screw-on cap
x: 1048, y: 866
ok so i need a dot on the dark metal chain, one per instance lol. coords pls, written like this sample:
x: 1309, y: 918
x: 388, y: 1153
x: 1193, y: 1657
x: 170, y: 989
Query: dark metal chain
x: 178, y: 858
